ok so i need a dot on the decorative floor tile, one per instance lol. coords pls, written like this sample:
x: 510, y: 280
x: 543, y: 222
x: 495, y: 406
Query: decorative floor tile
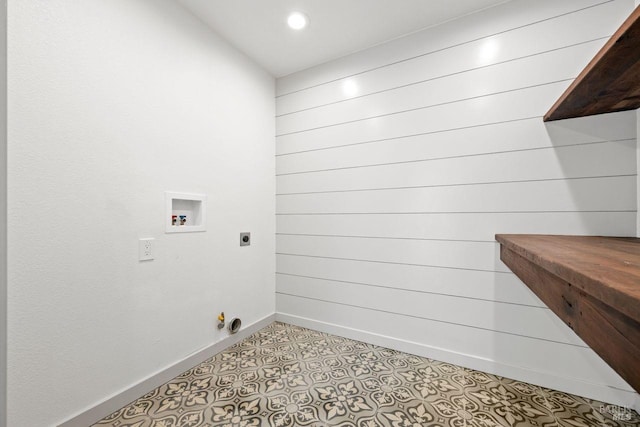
x: 285, y: 376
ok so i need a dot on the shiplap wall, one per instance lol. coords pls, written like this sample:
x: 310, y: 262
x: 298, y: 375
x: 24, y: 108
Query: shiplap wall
x: 397, y: 165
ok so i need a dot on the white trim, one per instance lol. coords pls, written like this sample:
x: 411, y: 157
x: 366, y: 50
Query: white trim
x: 124, y: 397
x: 568, y: 385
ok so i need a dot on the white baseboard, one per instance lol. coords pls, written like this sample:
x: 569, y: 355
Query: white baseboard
x: 120, y: 399
x: 569, y: 385
x: 599, y: 392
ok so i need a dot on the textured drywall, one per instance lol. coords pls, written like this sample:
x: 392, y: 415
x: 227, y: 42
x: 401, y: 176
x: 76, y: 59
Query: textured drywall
x: 112, y: 103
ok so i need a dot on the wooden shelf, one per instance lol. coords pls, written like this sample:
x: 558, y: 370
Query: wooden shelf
x: 592, y: 284
x: 610, y: 82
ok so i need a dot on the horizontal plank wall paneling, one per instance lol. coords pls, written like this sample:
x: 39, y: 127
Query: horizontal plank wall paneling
x: 576, y: 161
x: 582, y: 194
x: 528, y: 321
x: 552, y: 66
x: 490, y: 138
x: 455, y: 226
x: 483, y: 285
x: 436, y: 253
x: 503, y: 106
x: 492, y: 22
x: 396, y: 166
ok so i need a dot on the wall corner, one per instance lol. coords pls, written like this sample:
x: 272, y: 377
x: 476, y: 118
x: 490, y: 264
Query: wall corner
x: 3, y: 213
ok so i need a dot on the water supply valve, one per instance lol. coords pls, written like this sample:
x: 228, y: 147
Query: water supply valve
x: 221, y: 320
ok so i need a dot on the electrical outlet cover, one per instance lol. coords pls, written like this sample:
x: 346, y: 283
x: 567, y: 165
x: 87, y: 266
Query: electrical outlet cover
x: 145, y: 249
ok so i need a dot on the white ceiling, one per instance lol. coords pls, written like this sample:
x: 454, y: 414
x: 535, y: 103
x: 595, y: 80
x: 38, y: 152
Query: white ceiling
x: 336, y: 27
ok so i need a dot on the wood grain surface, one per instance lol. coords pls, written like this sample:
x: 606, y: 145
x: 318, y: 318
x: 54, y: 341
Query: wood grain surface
x: 592, y: 284
x: 610, y: 82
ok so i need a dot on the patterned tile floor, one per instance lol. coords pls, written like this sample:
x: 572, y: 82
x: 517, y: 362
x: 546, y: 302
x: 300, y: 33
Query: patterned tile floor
x: 285, y: 376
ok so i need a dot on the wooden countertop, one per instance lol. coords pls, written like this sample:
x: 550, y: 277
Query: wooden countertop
x: 607, y: 268
x: 591, y: 283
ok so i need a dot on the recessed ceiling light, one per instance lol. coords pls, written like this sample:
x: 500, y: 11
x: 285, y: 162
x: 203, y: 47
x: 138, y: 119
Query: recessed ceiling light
x: 297, y: 20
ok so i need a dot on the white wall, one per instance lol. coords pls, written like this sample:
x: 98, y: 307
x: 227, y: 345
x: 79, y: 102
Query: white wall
x: 112, y: 103
x: 397, y: 165
x: 3, y: 213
